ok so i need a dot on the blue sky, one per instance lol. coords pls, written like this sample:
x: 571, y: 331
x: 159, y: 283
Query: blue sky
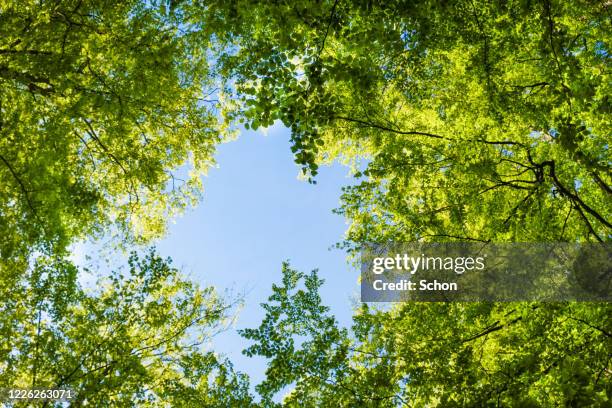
x: 255, y: 214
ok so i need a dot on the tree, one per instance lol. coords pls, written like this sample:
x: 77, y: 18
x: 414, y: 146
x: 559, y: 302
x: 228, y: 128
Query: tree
x: 473, y: 120
x: 136, y: 340
x: 107, y: 122
x: 481, y: 121
x: 101, y: 103
x: 466, y: 120
x: 431, y: 354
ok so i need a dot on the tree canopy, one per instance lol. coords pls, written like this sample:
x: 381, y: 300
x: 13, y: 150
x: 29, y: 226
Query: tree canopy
x: 525, y: 354
x: 108, y: 120
x: 484, y: 121
x: 101, y: 103
x: 134, y: 340
x: 473, y: 120
x: 461, y: 121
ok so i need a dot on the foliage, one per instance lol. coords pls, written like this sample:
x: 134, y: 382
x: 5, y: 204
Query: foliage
x: 136, y: 340
x: 432, y: 354
x: 298, y: 313
x: 477, y: 120
x: 463, y: 120
x: 101, y: 102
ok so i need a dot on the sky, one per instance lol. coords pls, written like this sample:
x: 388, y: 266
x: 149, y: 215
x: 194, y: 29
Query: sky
x: 255, y: 214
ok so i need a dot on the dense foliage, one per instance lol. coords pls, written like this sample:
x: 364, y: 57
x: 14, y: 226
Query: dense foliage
x: 101, y: 102
x: 479, y: 121
x: 107, y: 122
x: 465, y: 120
x: 432, y: 354
x: 485, y: 121
x: 134, y: 340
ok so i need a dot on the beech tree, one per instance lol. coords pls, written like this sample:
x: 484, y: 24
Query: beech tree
x: 525, y: 354
x: 473, y: 120
x: 101, y: 103
x: 139, y: 338
x: 107, y: 122
x: 466, y: 120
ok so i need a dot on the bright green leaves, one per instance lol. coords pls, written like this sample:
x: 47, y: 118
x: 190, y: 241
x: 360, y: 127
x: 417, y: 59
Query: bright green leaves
x: 101, y: 104
x: 485, y: 98
x: 432, y: 354
x: 472, y: 120
x: 135, y: 339
x: 302, y: 341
